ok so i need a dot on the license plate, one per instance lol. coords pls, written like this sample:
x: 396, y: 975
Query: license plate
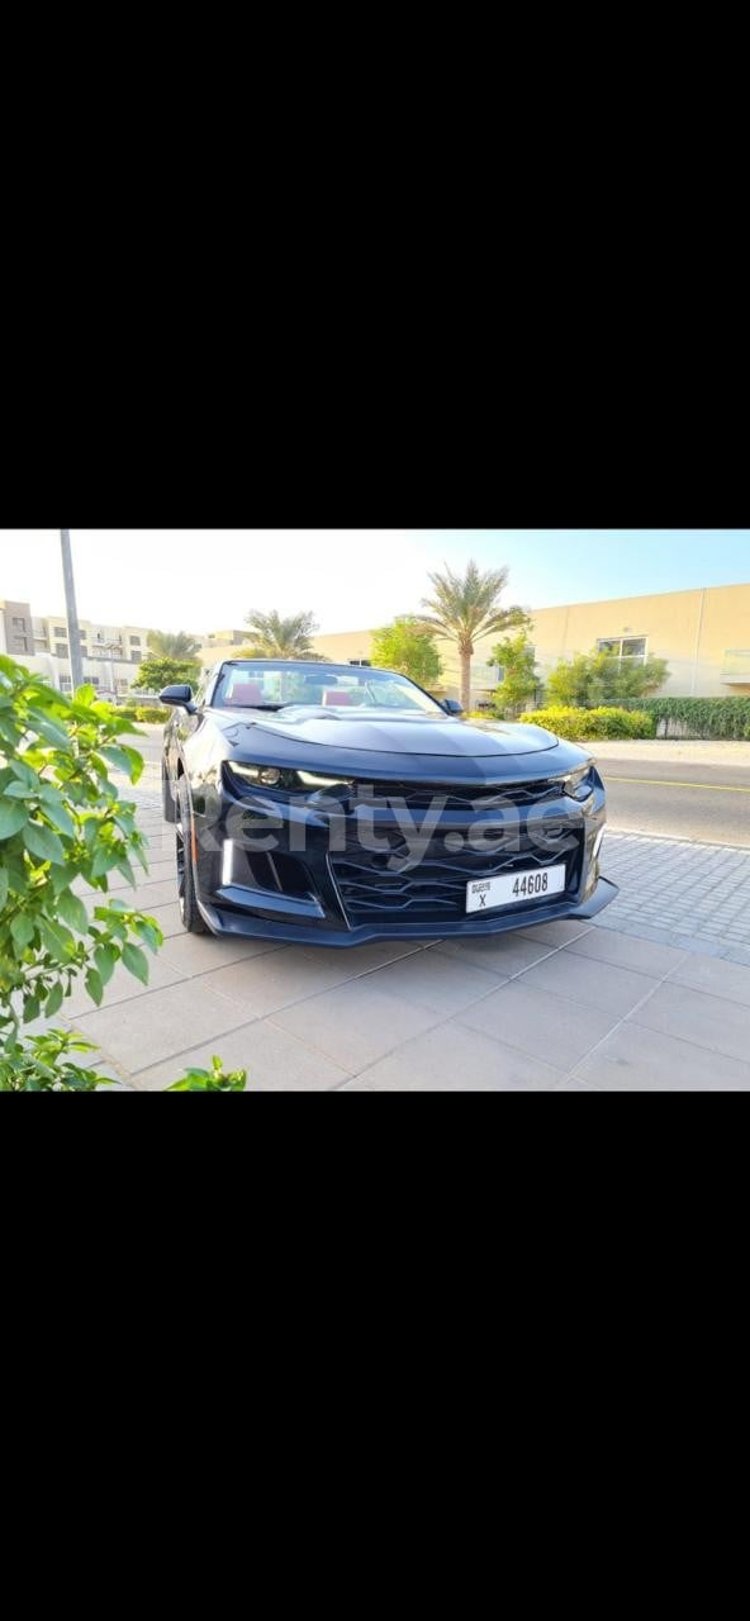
x: 514, y: 888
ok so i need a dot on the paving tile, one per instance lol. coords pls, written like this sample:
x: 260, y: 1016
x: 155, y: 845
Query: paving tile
x: 355, y: 1024
x: 454, y: 1059
x: 717, y: 976
x: 159, y: 872
x: 160, y: 1024
x: 142, y: 899
x: 168, y: 919
x: 633, y: 1059
x: 445, y: 983
x: 557, y: 933
x: 625, y: 951
x: 275, y: 1062
x: 616, y: 991
x: 502, y: 954
x: 123, y: 987
x: 277, y: 979
x: 711, y: 1022
x: 552, y: 1028
x: 191, y: 954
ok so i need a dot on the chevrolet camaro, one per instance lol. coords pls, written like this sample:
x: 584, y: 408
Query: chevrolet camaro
x: 340, y: 804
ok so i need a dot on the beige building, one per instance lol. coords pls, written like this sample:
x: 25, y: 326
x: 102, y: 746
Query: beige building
x: 111, y: 653
x: 704, y: 635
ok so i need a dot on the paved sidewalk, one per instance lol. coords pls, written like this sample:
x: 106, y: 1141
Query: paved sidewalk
x: 564, y: 1007
x: 680, y: 893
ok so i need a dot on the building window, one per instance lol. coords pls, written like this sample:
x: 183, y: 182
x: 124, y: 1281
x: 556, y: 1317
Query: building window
x: 65, y: 683
x: 626, y: 649
x: 135, y: 658
x: 19, y: 624
x: 135, y: 641
x: 21, y: 644
x: 61, y: 650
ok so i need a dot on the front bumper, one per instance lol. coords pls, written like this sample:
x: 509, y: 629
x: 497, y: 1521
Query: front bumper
x: 302, y: 892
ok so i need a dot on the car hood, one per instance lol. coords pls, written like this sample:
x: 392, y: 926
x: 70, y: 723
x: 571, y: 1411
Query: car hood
x: 383, y: 732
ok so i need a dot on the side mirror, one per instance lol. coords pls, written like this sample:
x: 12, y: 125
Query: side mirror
x: 452, y: 706
x: 178, y: 698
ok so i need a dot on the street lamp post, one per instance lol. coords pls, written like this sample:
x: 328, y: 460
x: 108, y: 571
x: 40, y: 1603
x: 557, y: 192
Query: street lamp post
x: 74, y: 637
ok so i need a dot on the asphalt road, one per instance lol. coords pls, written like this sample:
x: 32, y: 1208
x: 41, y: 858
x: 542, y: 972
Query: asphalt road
x: 678, y: 798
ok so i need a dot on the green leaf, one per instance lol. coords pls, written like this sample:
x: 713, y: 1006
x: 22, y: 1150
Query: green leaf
x: 150, y: 933
x: 73, y: 912
x: 136, y: 962
x: 105, y: 959
x: 54, y: 1001
x: 55, y: 812
x: 12, y: 818
x: 104, y: 860
x: 56, y: 940
x: 125, y: 759
x: 94, y: 986
x: 4, y: 887
x: 51, y: 733
x: 43, y: 843
x: 22, y: 930
x: 123, y: 866
x: 19, y: 790
x: 31, y: 1009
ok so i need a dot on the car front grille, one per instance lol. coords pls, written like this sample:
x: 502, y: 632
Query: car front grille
x: 379, y: 886
x: 421, y: 796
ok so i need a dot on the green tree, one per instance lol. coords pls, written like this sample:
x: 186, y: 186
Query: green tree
x: 173, y: 644
x: 592, y: 679
x: 408, y: 645
x: 515, y: 656
x: 275, y: 638
x: 156, y: 673
x: 466, y: 609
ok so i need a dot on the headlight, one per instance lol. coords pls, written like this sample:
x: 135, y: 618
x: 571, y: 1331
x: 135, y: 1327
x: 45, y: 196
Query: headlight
x: 579, y: 784
x: 284, y: 779
x: 269, y: 775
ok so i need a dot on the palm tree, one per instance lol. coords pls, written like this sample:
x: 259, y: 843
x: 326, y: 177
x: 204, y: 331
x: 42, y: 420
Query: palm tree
x: 466, y: 610
x: 173, y: 645
x: 277, y: 638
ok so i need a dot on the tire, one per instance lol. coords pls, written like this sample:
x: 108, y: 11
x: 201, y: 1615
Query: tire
x: 167, y: 798
x: 186, y: 896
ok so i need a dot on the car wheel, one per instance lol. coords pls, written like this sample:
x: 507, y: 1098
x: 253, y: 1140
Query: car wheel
x: 191, y: 917
x: 167, y: 798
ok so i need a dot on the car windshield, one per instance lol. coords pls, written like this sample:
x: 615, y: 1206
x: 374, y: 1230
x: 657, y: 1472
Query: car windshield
x: 274, y: 685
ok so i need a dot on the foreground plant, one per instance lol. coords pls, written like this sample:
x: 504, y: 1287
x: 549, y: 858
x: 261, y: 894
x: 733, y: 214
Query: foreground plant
x: 45, y: 1064
x: 61, y: 821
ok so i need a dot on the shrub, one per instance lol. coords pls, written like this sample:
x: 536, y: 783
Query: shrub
x: 700, y: 717
x: 61, y: 820
x: 584, y: 725
x: 143, y: 714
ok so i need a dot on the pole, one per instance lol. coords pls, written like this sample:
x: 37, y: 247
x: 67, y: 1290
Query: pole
x: 74, y: 637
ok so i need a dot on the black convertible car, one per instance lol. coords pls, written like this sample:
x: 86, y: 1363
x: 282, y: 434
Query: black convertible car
x: 339, y: 804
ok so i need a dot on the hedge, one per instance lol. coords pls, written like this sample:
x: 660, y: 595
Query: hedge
x: 144, y: 715
x: 699, y: 717
x: 583, y: 725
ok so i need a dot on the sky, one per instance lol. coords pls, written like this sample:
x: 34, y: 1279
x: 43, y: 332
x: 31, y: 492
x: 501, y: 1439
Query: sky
x: 204, y: 580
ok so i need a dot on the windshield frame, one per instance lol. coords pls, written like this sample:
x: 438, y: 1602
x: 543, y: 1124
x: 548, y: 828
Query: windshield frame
x: 363, y: 676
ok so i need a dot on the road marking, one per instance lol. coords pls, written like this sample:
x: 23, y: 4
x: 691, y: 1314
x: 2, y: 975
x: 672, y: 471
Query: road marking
x: 660, y: 782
